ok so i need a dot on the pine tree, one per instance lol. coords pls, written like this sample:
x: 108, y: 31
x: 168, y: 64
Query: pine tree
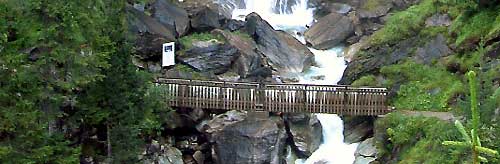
x: 472, y: 141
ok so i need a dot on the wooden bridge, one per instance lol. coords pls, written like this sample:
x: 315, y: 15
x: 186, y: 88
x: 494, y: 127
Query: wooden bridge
x: 338, y: 99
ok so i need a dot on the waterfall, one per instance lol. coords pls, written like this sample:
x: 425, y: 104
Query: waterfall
x: 330, y: 65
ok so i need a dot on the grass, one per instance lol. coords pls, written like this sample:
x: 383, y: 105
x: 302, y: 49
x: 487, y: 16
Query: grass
x: 422, y: 87
x: 187, y: 41
x: 195, y: 75
x: 369, y: 80
x: 475, y: 27
x: 415, y: 139
x: 404, y: 24
x: 371, y: 5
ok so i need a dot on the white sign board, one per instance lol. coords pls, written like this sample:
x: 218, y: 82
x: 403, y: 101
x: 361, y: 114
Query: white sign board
x: 168, y: 57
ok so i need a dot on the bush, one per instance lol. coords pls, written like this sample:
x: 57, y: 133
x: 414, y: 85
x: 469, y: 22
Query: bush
x: 415, y: 139
x: 422, y: 87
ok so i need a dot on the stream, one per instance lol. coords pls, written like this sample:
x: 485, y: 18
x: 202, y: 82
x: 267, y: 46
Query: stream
x: 329, y: 69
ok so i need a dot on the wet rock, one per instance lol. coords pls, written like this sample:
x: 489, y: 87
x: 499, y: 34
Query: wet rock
x: 351, y: 51
x: 250, y: 60
x: 208, y: 56
x: 207, y: 19
x: 147, y: 46
x: 199, y: 157
x: 366, y: 152
x: 329, y: 31
x: 340, y: 8
x: 161, y: 154
x: 172, y: 16
x: 220, y: 121
x: 320, y: 77
x: 374, y: 8
x: 250, y: 141
x: 433, y: 50
x: 234, y: 25
x: 138, y: 22
x: 282, y: 51
x: 438, y: 20
x: 305, y: 133
x: 357, y: 128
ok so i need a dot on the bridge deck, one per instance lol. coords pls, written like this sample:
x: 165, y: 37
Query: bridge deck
x: 338, y: 99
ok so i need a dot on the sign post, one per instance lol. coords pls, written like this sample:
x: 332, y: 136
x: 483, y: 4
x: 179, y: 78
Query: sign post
x: 168, y: 56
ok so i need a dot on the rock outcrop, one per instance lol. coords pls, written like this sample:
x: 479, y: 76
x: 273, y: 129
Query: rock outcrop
x: 329, y: 31
x: 357, y: 128
x: 366, y: 152
x: 250, y: 141
x: 209, y: 56
x: 305, y: 131
x: 161, y: 154
x: 171, y: 16
x: 282, y: 51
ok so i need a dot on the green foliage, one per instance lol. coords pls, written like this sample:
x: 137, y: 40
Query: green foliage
x: 369, y: 80
x: 472, y: 141
x: 66, y: 65
x: 405, y: 23
x: 415, y: 139
x: 422, y: 87
x: 187, y: 41
x: 474, y: 28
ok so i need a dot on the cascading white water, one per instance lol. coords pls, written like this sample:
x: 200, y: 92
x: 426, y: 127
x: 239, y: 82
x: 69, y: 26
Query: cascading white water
x: 329, y: 64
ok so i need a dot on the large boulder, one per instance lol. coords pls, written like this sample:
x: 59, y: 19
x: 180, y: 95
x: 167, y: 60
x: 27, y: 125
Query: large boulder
x: 329, y: 31
x: 305, y: 133
x: 207, y: 19
x: 138, y: 22
x: 283, y: 52
x: 374, y: 8
x: 366, y: 152
x: 433, y: 50
x: 250, y: 61
x: 161, y: 154
x: 209, y: 56
x: 379, y: 57
x: 147, y: 34
x: 172, y: 16
x: 250, y: 141
x: 357, y: 128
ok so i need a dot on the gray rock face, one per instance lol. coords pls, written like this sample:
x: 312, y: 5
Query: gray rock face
x: 357, y: 128
x: 374, y: 8
x: 210, y: 57
x: 305, y: 131
x: 171, y: 16
x: 141, y: 23
x: 220, y: 121
x: 250, y: 60
x: 381, y: 56
x: 282, y: 51
x: 250, y: 141
x: 366, y: 152
x: 438, y: 20
x: 161, y: 154
x: 433, y: 50
x: 207, y: 19
x: 329, y: 31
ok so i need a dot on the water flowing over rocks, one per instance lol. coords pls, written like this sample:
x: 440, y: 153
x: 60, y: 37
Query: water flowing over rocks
x: 329, y: 31
x: 305, y: 131
x: 284, y: 53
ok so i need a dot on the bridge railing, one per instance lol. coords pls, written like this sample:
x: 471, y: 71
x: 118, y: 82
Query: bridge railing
x: 339, y: 99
